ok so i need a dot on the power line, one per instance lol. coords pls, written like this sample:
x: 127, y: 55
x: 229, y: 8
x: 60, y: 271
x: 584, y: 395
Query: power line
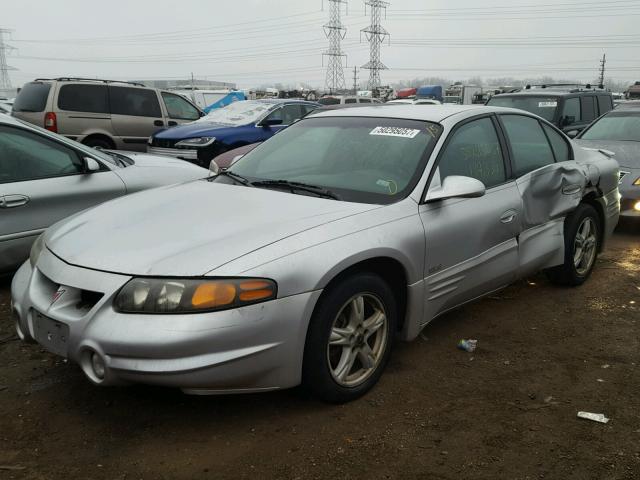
x: 375, y: 35
x: 335, y: 31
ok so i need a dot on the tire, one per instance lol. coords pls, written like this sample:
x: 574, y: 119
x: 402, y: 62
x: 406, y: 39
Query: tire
x: 352, y: 366
x: 98, y: 143
x: 579, y: 255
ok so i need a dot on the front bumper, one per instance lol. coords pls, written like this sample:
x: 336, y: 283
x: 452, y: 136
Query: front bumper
x: 181, y: 153
x: 255, y: 348
x: 630, y: 193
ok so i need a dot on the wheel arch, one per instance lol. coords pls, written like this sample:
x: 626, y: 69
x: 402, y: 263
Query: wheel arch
x: 99, y: 136
x: 591, y: 198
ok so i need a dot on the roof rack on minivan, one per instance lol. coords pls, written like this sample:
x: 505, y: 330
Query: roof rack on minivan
x: 80, y: 79
x: 570, y: 87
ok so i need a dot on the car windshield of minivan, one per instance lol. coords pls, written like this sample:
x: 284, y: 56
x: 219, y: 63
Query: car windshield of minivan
x: 357, y: 159
x: 544, y: 107
x: 617, y: 126
x: 238, y: 113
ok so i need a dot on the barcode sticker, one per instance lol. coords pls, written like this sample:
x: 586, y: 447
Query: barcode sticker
x: 395, y: 132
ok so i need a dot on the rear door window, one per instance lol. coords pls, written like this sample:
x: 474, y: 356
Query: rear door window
x: 529, y: 145
x: 32, y: 98
x: 351, y: 100
x: 137, y: 102
x: 558, y: 143
x: 588, y: 108
x: 83, y: 98
x: 571, y: 112
x: 605, y: 104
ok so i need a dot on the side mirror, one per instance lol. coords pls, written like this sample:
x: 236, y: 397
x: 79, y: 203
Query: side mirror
x: 91, y: 165
x: 214, y: 168
x: 572, y: 133
x: 269, y: 122
x: 456, y: 187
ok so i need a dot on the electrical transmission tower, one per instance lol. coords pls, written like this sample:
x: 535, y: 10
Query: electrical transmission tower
x: 5, y: 81
x: 375, y: 35
x: 335, y: 32
x: 603, y: 63
x: 355, y: 80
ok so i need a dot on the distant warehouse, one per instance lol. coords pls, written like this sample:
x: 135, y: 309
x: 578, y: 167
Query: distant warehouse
x: 187, y: 83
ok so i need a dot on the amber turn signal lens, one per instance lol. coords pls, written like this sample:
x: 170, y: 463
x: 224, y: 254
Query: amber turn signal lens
x: 255, y: 290
x: 213, y: 295
x: 637, y: 182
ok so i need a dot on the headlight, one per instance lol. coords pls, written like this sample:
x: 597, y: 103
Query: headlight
x: 36, y: 250
x: 196, y: 142
x: 172, y: 296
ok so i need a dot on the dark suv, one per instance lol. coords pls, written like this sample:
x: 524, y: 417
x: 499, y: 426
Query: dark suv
x: 570, y: 107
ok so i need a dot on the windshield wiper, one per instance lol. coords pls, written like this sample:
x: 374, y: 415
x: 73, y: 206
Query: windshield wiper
x: 234, y: 176
x: 293, y: 186
x: 122, y: 159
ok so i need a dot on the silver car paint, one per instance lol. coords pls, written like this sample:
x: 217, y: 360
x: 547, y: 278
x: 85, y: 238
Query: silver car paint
x: 627, y: 154
x: 302, y: 243
x: 51, y: 199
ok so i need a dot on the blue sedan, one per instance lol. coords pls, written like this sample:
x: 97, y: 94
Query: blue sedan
x: 238, y: 124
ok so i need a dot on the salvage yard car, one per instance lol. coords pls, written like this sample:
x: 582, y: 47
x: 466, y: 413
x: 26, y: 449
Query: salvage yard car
x: 45, y: 177
x: 619, y: 132
x: 303, y: 261
x: 224, y: 129
x: 102, y: 113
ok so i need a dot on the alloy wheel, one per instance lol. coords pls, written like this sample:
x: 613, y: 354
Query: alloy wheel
x: 585, y: 245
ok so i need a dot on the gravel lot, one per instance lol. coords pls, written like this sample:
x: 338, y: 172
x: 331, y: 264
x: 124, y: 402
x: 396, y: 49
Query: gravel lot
x: 506, y: 411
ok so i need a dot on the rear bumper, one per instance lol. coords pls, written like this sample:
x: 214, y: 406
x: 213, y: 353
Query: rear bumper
x: 182, y: 153
x: 255, y: 348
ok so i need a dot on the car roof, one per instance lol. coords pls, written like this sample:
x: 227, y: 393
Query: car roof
x: 275, y: 101
x: 548, y: 92
x: 434, y: 113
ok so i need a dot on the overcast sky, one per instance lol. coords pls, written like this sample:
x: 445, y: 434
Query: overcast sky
x: 255, y: 42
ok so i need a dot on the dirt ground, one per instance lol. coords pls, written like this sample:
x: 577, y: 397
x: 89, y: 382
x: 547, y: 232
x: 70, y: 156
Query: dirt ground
x: 506, y: 411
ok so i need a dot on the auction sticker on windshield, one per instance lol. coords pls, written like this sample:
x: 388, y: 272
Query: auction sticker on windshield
x: 547, y: 104
x: 395, y: 132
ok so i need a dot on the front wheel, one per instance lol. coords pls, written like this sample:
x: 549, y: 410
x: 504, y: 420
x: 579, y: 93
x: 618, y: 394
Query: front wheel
x: 350, y: 338
x: 582, y: 240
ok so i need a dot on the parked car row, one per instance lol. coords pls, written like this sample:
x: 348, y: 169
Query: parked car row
x: 304, y: 259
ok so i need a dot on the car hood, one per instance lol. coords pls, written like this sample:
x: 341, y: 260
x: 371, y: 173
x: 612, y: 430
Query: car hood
x: 189, y: 229
x: 145, y: 160
x: 627, y: 153
x: 195, y: 130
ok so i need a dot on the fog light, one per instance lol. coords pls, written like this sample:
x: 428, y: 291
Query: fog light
x: 636, y: 207
x: 98, y: 365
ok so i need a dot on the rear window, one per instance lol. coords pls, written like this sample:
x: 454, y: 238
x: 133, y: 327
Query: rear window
x: 544, y: 107
x: 605, y: 103
x: 329, y: 101
x: 83, y: 98
x: 137, y: 102
x: 32, y: 97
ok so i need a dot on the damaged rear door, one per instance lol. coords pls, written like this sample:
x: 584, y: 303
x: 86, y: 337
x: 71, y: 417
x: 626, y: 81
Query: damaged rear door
x: 550, y: 184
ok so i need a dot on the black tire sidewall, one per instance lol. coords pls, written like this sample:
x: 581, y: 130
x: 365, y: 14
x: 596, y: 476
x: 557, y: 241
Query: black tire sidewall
x: 98, y: 142
x: 572, y: 224
x: 316, y: 376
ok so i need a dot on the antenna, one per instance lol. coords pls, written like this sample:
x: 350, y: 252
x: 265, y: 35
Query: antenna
x: 375, y: 35
x: 335, y: 32
x: 5, y: 81
x: 603, y: 63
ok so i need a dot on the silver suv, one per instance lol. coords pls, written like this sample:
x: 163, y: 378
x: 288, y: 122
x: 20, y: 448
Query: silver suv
x: 102, y: 113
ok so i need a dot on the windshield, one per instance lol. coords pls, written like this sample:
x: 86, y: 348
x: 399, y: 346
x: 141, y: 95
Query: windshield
x: 368, y: 160
x: 615, y: 126
x: 544, y: 107
x: 238, y: 113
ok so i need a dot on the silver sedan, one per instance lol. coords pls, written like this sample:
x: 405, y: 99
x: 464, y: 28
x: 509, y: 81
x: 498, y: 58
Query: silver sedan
x: 45, y: 177
x: 307, y: 258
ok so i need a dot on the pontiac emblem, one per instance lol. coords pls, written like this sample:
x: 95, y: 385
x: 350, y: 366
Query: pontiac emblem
x: 57, y: 295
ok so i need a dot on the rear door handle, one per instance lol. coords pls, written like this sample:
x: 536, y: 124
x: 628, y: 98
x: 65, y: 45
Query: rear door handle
x: 508, y: 216
x: 159, y: 123
x: 13, y: 201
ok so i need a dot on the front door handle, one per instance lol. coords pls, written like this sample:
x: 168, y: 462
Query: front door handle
x: 508, y: 216
x: 13, y: 201
x: 159, y: 123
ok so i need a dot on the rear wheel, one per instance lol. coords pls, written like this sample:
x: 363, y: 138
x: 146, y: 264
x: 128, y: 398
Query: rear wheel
x: 581, y: 242
x: 102, y: 143
x: 350, y: 338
